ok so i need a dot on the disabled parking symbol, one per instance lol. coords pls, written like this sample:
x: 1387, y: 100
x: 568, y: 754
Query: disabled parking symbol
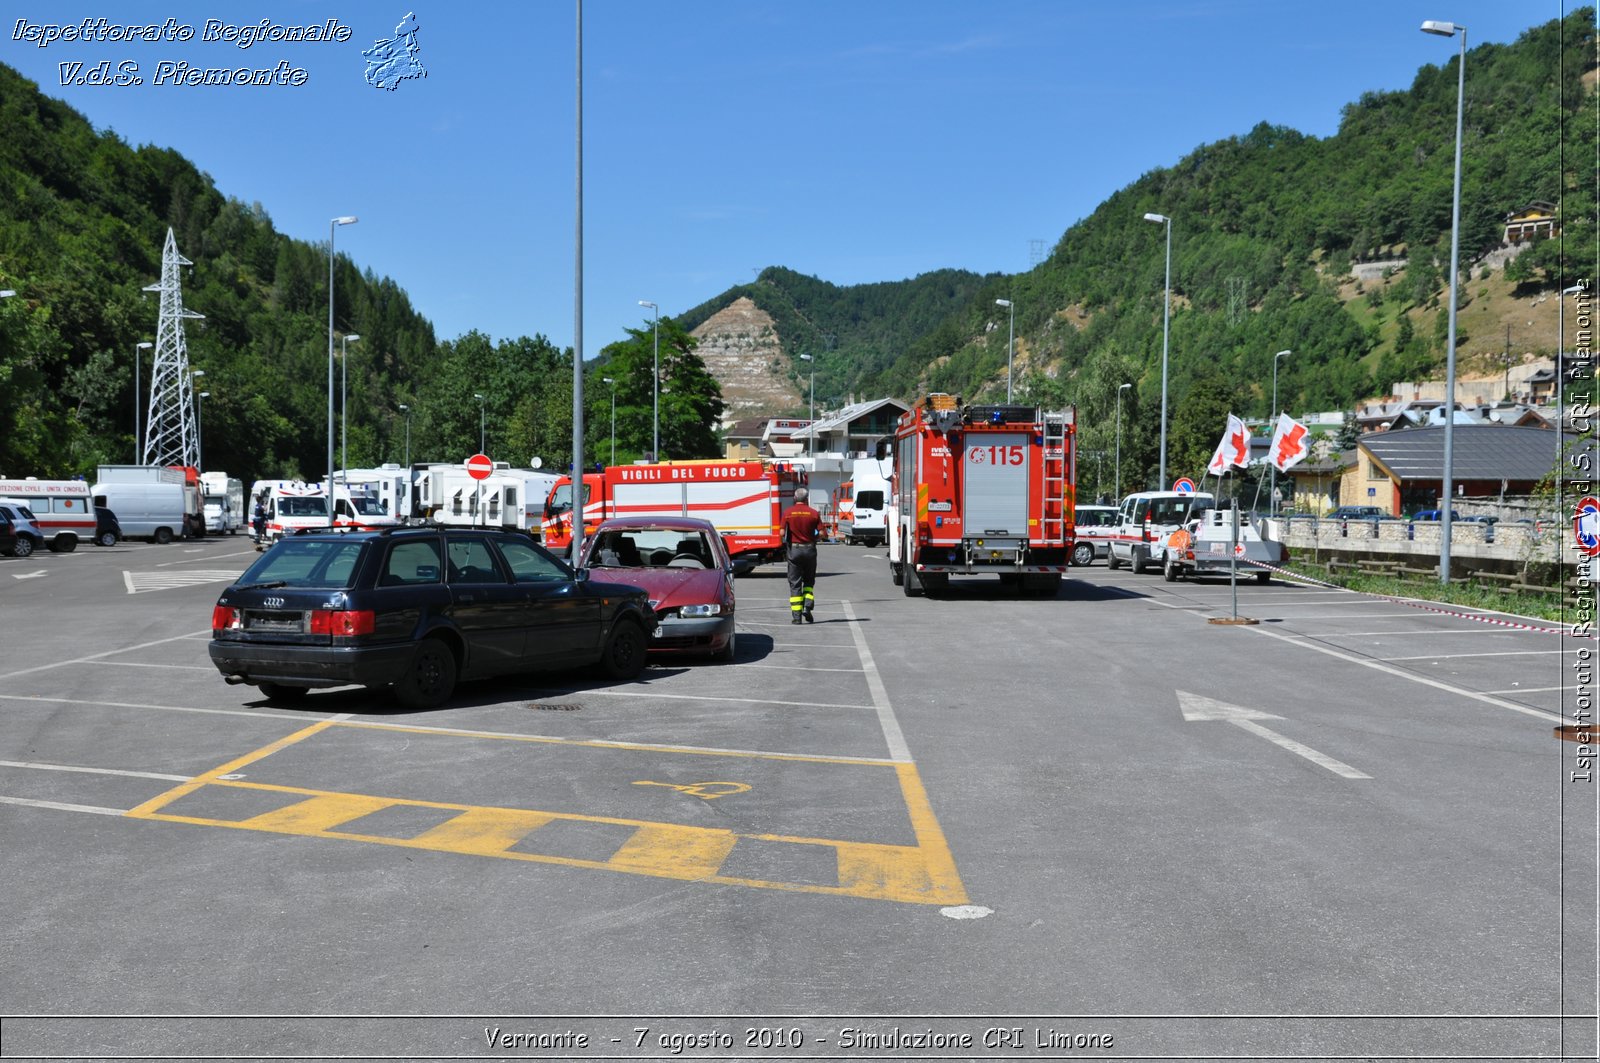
x: 706, y: 791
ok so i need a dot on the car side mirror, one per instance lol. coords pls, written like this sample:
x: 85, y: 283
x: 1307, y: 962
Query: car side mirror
x: 581, y: 575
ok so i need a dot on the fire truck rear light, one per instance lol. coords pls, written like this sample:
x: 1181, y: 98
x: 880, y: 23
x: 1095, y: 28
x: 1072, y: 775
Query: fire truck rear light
x: 924, y: 533
x: 343, y: 622
x: 223, y: 617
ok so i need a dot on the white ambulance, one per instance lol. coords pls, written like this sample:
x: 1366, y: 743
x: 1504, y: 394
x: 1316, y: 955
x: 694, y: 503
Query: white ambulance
x: 62, y: 509
x: 289, y: 505
x: 1144, y: 520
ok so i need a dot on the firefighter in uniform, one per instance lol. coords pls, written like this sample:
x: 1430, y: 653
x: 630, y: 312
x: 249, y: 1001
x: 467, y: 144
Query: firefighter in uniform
x: 801, y: 526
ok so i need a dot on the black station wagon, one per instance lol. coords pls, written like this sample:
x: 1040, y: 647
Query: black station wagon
x: 417, y: 609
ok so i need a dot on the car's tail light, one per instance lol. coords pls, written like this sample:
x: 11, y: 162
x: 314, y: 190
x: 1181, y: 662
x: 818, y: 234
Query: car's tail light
x: 224, y: 617
x: 342, y: 622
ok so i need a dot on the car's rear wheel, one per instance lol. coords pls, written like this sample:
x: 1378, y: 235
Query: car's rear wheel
x: 63, y: 544
x: 24, y: 547
x: 163, y: 536
x: 106, y: 538
x: 1083, y: 555
x: 430, y: 678
x: 623, y: 657
x: 281, y: 692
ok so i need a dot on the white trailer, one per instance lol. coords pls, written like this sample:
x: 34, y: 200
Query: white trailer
x: 388, y: 484
x: 450, y: 495
x: 224, y: 503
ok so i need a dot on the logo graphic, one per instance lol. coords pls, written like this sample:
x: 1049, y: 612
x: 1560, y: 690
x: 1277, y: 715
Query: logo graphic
x: 393, y: 61
x: 1586, y: 526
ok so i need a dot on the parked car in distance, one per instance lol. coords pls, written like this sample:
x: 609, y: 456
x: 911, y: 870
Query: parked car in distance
x: 1357, y: 513
x: 1095, y: 527
x: 107, y: 532
x: 25, y: 534
x: 418, y: 608
x: 8, y: 535
x: 1433, y: 514
x: 683, y: 564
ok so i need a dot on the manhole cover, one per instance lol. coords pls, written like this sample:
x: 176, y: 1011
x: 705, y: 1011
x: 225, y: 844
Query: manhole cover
x: 555, y: 706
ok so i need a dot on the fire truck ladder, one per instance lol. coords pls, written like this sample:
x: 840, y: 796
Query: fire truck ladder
x: 1054, y: 511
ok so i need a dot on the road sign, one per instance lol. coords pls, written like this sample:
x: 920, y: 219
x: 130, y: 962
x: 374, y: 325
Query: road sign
x: 479, y: 466
x: 1586, y: 525
x: 1184, y: 484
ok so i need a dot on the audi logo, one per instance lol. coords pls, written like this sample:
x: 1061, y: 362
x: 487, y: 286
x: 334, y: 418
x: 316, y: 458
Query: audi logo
x: 273, y: 603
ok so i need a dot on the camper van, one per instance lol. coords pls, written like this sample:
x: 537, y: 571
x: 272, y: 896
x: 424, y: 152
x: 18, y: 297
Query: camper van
x: 62, y: 509
x: 224, y: 503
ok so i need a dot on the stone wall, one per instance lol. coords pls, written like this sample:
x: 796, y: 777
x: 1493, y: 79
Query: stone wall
x: 1472, y: 545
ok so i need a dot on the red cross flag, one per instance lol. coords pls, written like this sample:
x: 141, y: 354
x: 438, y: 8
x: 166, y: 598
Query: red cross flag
x: 1291, y: 443
x: 1234, y: 450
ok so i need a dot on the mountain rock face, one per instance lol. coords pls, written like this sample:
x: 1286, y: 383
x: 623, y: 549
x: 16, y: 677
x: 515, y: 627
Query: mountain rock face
x: 740, y: 347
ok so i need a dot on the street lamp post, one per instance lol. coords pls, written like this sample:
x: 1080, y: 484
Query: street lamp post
x: 655, y: 383
x: 138, y: 360
x: 333, y: 225
x: 199, y: 429
x: 1166, y: 321
x: 1011, y: 339
x: 482, y: 438
x: 407, y: 411
x: 1273, y: 467
x: 1450, y: 29
x: 811, y: 408
x: 612, y: 381
x: 344, y: 372
x: 1120, y: 389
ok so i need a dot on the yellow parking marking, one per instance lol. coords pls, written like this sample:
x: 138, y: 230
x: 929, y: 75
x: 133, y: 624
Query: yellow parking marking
x: 229, y: 768
x: 706, y: 791
x: 908, y: 874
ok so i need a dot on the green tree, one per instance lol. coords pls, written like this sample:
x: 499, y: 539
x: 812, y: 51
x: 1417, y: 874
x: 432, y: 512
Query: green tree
x: 690, y: 398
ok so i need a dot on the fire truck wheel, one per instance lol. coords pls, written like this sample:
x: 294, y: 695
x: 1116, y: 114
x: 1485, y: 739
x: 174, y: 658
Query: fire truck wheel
x: 1140, y: 562
x: 896, y: 575
x: 1083, y: 555
x: 912, y: 582
x: 1169, y: 571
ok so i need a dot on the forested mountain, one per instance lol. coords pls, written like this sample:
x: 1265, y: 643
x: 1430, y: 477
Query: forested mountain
x: 82, y: 219
x: 1265, y: 228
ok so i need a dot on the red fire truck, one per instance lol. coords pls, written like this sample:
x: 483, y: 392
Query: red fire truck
x: 746, y: 500
x: 980, y: 489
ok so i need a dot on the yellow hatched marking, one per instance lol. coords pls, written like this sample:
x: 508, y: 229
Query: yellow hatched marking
x: 909, y: 874
x: 483, y: 831
x: 674, y: 852
x: 160, y: 800
x: 317, y: 815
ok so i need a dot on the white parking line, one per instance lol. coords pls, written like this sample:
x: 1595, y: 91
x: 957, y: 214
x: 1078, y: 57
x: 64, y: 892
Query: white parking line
x: 285, y: 715
x: 880, y: 696
x: 62, y: 807
x: 1496, y: 653
x: 1527, y: 690
x: 212, y: 557
x: 1400, y: 673
x: 708, y: 697
x: 146, y: 664
x: 799, y: 668
x: 102, y: 656
x: 1354, y: 634
x: 94, y: 771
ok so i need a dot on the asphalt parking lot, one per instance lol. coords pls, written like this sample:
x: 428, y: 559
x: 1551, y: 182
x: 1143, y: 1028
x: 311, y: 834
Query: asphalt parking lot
x: 1100, y: 805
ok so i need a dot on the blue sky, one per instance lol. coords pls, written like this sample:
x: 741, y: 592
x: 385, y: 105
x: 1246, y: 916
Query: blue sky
x: 857, y: 142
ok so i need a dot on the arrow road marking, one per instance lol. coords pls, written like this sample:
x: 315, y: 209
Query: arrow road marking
x: 30, y: 575
x: 1197, y: 708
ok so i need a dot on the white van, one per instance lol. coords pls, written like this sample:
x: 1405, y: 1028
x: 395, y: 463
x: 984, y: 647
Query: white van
x: 864, y: 513
x: 1144, y: 520
x: 155, y: 511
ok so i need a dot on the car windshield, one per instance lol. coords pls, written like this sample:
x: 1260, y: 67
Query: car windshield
x: 869, y: 499
x: 561, y: 497
x: 316, y: 563
x: 370, y: 507
x: 302, y: 506
x: 650, y: 547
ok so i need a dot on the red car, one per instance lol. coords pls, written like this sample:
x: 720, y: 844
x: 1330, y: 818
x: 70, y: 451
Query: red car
x: 683, y: 565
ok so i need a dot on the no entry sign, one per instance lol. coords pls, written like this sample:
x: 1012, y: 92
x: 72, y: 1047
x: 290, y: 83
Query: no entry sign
x: 479, y: 466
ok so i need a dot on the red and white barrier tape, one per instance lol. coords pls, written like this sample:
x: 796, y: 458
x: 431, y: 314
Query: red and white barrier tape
x: 1414, y: 604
